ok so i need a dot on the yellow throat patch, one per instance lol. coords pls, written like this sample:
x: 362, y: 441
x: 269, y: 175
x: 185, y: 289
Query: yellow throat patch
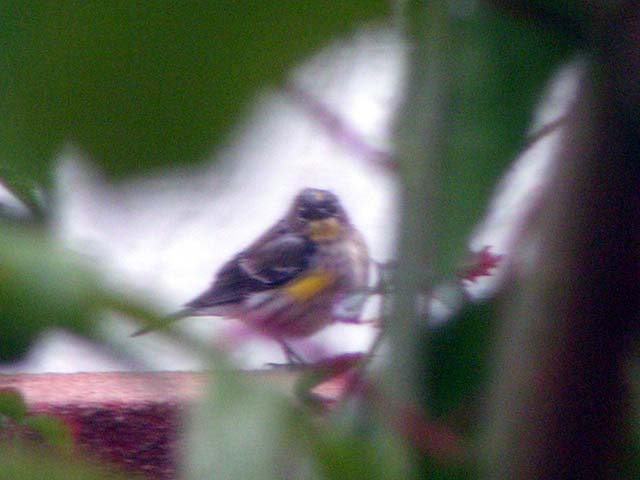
x: 327, y: 229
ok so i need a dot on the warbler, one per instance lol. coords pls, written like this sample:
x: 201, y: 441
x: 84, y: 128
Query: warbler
x: 286, y: 283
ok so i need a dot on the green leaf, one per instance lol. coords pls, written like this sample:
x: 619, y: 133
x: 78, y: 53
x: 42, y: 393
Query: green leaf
x: 434, y: 470
x: 242, y: 429
x: 42, y: 285
x: 377, y: 454
x: 26, y: 191
x: 497, y: 68
x: 53, y: 431
x: 23, y: 463
x: 12, y: 404
x: 146, y: 84
x: 459, y: 359
x: 245, y: 429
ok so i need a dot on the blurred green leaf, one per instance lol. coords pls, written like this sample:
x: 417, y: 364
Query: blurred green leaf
x: 24, y: 463
x: 144, y: 84
x: 27, y: 191
x: 245, y: 429
x: 53, y: 431
x: 571, y: 16
x: 350, y: 455
x: 497, y: 69
x: 43, y: 285
x: 242, y: 430
x: 434, y: 470
x: 459, y: 358
x: 40, y: 286
x: 12, y: 404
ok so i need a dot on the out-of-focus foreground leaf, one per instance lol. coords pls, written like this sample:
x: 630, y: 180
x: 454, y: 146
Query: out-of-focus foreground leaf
x: 497, y: 69
x: 143, y: 84
x: 12, y: 405
x: 43, y: 285
x: 459, y: 359
x: 52, y: 430
x: 24, y: 463
x: 474, y: 77
x: 242, y: 430
x: 27, y: 191
x: 355, y: 447
x: 246, y: 429
x: 40, y: 286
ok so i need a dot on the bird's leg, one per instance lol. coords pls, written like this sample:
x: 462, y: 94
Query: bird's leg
x: 292, y: 357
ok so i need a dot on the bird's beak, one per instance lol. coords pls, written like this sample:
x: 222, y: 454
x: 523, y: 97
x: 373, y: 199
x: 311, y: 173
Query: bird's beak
x: 323, y: 230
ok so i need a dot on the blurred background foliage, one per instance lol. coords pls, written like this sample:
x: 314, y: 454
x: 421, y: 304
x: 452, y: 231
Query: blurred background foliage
x: 140, y: 85
x: 145, y: 85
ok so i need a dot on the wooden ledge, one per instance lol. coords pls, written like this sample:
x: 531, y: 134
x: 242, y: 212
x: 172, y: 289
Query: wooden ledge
x: 131, y: 420
x: 51, y: 389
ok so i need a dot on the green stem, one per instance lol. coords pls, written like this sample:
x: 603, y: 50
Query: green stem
x: 420, y: 147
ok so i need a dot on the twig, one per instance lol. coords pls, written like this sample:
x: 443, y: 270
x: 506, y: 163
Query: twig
x: 339, y: 129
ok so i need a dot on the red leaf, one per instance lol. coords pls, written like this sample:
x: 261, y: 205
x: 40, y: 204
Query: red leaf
x: 481, y: 265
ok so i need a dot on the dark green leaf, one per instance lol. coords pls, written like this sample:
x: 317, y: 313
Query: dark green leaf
x: 434, y: 470
x: 12, y: 404
x: 52, y: 430
x: 40, y: 286
x: 43, y: 285
x: 497, y: 68
x: 375, y: 455
x: 27, y: 191
x: 459, y: 356
x: 144, y: 84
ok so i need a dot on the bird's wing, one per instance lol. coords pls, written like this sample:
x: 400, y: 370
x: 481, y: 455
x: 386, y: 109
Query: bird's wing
x: 262, y: 266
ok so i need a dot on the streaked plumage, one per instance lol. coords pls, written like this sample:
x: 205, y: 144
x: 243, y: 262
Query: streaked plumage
x: 286, y: 283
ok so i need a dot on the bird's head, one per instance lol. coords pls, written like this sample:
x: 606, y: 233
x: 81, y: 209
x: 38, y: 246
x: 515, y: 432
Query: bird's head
x: 319, y: 215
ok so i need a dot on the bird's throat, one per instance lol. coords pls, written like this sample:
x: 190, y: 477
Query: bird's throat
x: 324, y: 230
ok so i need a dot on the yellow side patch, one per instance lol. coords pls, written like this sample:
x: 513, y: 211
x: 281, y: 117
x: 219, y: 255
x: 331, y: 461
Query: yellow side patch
x: 309, y: 286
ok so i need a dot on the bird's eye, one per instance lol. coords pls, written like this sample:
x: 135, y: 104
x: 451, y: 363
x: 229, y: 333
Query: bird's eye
x: 304, y: 213
x: 317, y: 205
x: 330, y: 208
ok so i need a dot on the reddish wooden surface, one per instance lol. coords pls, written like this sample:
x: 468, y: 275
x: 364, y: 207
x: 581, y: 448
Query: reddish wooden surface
x: 99, y: 388
x: 129, y: 419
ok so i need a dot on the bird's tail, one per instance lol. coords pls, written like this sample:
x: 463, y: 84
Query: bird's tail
x: 163, y: 322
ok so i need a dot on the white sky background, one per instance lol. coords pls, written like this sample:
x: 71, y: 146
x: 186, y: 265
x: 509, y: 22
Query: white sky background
x: 165, y: 236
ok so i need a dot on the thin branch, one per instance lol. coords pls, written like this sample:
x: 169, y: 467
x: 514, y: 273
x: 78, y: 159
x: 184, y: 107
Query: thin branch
x: 544, y: 131
x: 339, y: 130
